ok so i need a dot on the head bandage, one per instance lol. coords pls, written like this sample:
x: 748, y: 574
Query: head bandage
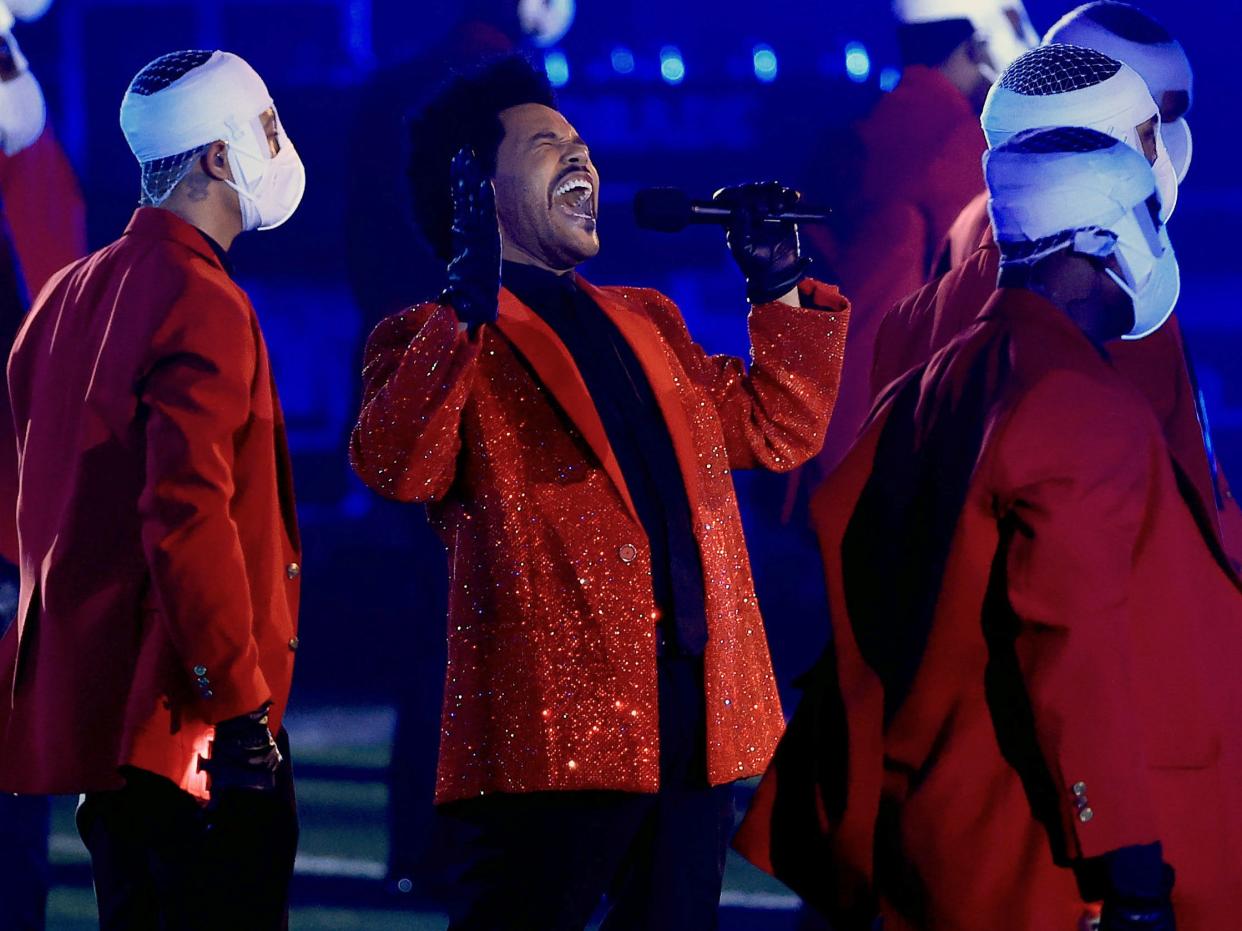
x: 23, y: 112
x: 1002, y: 24
x: 183, y: 102
x: 1147, y: 48
x: 27, y: 10
x: 1063, y: 85
x: 1077, y: 189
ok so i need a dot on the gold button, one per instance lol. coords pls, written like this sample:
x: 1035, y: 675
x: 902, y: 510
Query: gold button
x: 628, y: 553
x: 293, y: 643
x: 293, y: 570
x: 1086, y: 815
x: 1079, y: 789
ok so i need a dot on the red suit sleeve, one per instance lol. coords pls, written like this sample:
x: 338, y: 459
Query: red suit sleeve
x: 416, y: 375
x: 775, y: 415
x: 196, y: 391
x: 1075, y: 478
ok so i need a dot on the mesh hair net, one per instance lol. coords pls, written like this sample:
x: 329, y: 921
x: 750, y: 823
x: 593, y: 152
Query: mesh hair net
x: 161, y: 175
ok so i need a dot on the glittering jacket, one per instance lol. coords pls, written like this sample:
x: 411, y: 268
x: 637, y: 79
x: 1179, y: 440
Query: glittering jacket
x: 551, y: 679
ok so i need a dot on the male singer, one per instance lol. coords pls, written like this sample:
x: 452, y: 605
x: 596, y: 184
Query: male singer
x: 608, y: 675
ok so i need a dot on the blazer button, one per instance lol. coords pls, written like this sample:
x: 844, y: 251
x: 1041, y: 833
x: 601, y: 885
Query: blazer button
x: 628, y: 553
x: 200, y: 670
x: 1086, y: 815
x: 293, y: 643
x: 293, y: 570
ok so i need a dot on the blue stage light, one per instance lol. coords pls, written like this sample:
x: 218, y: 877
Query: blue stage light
x: 672, y: 68
x: 889, y: 78
x: 557, y: 67
x: 857, y: 62
x: 765, y: 63
x: 622, y: 61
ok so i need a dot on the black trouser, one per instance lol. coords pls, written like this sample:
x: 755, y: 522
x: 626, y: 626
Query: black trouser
x: 162, y: 862
x: 544, y: 860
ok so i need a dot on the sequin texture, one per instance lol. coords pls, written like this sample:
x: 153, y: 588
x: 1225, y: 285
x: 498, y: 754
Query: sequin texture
x: 551, y: 679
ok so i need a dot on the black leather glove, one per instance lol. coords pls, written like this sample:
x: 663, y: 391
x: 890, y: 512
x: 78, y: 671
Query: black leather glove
x: 243, y: 754
x: 1138, y: 887
x: 768, y: 254
x: 474, y: 269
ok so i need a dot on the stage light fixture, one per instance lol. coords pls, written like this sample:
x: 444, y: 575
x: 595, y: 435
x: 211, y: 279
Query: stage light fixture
x: 672, y: 68
x: 622, y: 60
x: 857, y: 62
x: 557, y: 66
x: 765, y: 63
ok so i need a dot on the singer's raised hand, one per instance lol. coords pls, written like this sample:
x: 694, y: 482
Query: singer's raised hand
x: 474, y: 269
x: 769, y: 254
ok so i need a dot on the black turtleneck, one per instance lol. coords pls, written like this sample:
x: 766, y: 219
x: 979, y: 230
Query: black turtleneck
x: 639, y: 438
x: 221, y: 254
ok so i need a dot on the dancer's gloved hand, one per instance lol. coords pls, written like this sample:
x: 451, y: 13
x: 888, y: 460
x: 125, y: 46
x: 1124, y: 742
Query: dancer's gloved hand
x: 1139, y: 890
x: 243, y: 754
x: 769, y: 254
x: 474, y: 269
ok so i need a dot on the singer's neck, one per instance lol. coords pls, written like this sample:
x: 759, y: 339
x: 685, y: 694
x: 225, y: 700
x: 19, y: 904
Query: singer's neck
x: 512, y: 252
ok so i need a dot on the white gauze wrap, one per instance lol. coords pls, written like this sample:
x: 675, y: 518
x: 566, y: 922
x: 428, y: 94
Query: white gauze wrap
x: 1104, y: 197
x: 1003, y: 24
x: 1116, y: 106
x: 216, y: 101
x: 1164, y: 66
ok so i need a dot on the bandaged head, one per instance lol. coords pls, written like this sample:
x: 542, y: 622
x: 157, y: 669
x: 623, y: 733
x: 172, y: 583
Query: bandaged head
x: 546, y: 21
x: 180, y: 104
x: 1002, y: 24
x: 27, y: 10
x: 1128, y: 34
x: 23, y: 112
x: 1080, y: 190
x: 1063, y: 85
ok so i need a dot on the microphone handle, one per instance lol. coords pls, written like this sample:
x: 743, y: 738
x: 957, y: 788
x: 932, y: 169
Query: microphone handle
x: 711, y: 213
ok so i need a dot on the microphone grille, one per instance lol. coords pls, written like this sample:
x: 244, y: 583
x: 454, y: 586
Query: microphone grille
x: 663, y: 209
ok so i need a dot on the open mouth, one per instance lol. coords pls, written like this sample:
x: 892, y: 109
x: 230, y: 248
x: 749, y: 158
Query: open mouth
x: 575, y: 197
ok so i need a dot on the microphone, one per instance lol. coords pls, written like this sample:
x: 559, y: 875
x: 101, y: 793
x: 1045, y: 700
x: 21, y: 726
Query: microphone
x: 670, y: 210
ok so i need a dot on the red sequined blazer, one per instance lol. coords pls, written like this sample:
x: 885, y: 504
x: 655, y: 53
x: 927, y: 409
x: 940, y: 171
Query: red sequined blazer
x: 551, y: 680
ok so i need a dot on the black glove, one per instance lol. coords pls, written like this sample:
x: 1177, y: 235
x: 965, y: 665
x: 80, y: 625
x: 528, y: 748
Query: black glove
x: 768, y: 254
x: 1138, y: 885
x: 243, y: 754
x: 474, y: 269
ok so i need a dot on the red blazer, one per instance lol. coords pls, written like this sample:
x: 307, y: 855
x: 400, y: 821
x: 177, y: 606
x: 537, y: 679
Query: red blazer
x: 551, y: 680
x: 913, y: 330
x: 921, y: 155
x: 44, y: 207
x: 156, y: 519
x: 1070, y: 683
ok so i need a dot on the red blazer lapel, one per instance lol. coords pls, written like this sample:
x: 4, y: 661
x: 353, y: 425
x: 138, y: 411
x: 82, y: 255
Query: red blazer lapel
x: 664, y: 372
x: 548, y: 356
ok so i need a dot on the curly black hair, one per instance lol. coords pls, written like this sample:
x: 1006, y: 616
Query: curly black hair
x: 465, y: 111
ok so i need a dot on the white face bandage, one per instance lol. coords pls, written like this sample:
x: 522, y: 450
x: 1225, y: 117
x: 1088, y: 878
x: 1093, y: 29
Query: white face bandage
x: 546, y: 21
x: 1084, y: 191
x: 1063, y: 85
x: 215, y: 97
x: 1002, y: 24
x: 23, y: 111
x: 1160, y: 60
